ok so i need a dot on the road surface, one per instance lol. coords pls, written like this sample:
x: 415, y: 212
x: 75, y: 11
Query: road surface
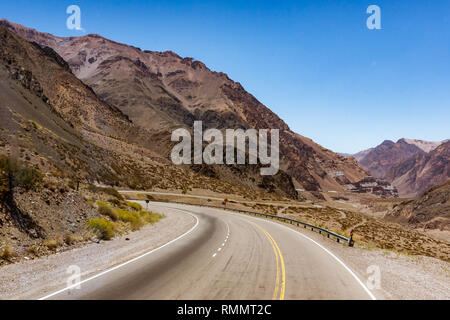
x: 226, y: 256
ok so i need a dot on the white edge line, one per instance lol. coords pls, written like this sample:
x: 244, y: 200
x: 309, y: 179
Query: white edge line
x: 127, y: 262
x: 371, y: 295
x: 327, y: 251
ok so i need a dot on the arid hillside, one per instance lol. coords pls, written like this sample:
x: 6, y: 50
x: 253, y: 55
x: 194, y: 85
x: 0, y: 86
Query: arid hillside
x: 160, y: 91
x: 58, y: 138
x: 412, y: 166
x: 431, y: 211
x: 422, y: 171
x: 104, y: 145
x: 388, y: 154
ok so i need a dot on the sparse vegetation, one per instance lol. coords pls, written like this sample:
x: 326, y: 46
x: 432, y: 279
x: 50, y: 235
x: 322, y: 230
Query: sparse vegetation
x: 33, y: 249
x: 71, y: 238
x: 52, y: 244
x: 110, y: 191
x: 106, y: 210
x: 131, y: 217
x: 134, y: 205
x: 6, y: 253
x: 102, y: 227
x: 16, y: 174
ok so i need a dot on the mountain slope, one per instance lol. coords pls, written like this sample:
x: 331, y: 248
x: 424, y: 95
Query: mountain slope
x: 63, y: 126
x: 422, y: 171
x: 388, y: 154
x: 162, y: 91
x: 426, y: 146
x: 412, y: 166
x: 431, y: 211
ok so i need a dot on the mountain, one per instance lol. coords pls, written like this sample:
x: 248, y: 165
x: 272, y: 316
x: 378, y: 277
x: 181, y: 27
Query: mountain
x: 412, y: 166
x: 386, y: 155
x: 57, y: 135
x: 430, y: 211
x: 161, y: 91
x: 56, y: 123
x: 426, y: 146
x: 108, y: 127
x: 421, y: 171
x: 360, y: 155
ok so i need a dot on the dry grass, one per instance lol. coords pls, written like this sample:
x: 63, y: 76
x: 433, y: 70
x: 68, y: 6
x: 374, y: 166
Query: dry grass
x: 106, y: 210
x: 371, y: 232
x: 33, y: 249
x: 7, y: 252
x: 104, y: 228
x: 71, y: 238
x: 52, y: 244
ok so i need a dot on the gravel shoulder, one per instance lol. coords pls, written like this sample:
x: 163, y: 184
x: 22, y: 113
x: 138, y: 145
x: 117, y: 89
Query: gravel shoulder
x: 33, y: 279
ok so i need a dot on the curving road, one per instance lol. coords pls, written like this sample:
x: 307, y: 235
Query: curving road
x: 227, y: 256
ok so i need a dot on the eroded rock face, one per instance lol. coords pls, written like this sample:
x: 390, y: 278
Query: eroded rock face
x: 413, y: 166
x: 386, y: 155
x: 422, y: 171
x: 373, y: 185
x: 431, y: 211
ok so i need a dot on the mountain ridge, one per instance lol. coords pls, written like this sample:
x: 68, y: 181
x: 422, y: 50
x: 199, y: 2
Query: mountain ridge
x: 163, y: 91
x: 411, y: 165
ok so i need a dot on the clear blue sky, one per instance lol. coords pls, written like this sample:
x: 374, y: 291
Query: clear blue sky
x: 314, y: 62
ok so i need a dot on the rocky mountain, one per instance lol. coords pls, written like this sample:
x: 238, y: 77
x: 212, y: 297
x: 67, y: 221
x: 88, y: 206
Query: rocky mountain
x: 386, y: 155
x: 422, y: 171
x: 375, y: 186
x: 413, y: 166
x: 431, y: 211
x: 161, y: 91
x: 55, y: 116
x: 426, y: 146
x: 57, y: 135
x: 360, y: 155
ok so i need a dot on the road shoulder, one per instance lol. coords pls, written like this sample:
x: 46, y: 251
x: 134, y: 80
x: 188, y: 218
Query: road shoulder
x: 35, y: 278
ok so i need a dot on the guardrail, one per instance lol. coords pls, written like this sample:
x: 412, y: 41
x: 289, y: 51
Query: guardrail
x: 323, y: 231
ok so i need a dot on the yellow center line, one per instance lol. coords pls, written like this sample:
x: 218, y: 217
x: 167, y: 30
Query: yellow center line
x: 279, y: 258
x: 283, y: 271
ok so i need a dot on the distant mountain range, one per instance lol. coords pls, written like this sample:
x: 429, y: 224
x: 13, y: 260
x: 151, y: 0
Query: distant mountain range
x: 413, y: 166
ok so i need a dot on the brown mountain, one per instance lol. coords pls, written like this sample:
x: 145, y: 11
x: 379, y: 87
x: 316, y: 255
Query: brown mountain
x: 431, y: 211
x: 56, y: 123
x: 160, y: 91
x: 421, y: 171
x: 412, y: 166
x: 56, y: 134
x: 386, y: 155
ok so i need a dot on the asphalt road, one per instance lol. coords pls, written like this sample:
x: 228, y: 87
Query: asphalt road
x: 227, y: 256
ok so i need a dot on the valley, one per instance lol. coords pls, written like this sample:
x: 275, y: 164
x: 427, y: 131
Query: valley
x: 87, y: 161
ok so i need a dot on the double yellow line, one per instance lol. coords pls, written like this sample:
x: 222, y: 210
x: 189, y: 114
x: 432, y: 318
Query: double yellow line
x: 280, y: 265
